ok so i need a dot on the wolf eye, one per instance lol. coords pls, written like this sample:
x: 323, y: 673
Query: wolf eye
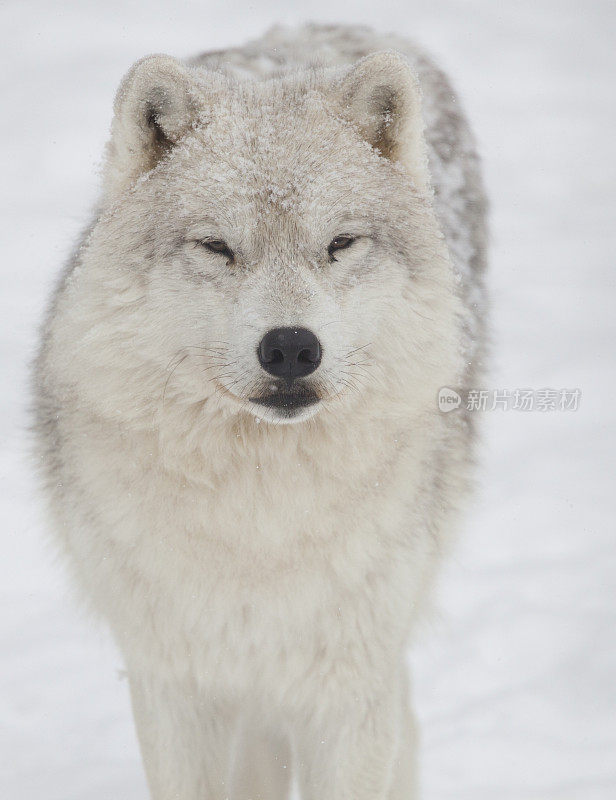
x: 339, y: 243
x: 218, y: 246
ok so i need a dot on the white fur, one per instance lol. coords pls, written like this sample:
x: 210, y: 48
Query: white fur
x: 261, y: 579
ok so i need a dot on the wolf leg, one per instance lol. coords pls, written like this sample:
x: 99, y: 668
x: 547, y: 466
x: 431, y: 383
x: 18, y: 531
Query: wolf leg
x: 352, y: 755
x: 186, y: 742
x: 263, y: 767
x: 405, y: 784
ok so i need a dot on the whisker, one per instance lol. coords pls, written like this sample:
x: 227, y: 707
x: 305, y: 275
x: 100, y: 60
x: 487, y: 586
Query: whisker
x: 184, y: 357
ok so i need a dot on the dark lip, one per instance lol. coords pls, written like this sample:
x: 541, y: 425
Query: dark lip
x: 288, y: 401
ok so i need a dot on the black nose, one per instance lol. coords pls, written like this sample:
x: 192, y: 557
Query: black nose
x: 289, y: 352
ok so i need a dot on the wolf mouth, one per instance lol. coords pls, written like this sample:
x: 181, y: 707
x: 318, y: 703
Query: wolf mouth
x: 287, y: 400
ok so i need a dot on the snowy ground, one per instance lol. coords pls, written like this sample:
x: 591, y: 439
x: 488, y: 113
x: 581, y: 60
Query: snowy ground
x: 516, y: 682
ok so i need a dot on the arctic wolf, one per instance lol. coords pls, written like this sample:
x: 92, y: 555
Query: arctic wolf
x: 237, y: 410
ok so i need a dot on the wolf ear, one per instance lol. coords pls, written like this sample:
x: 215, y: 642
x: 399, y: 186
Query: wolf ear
x: 154, y: 107
x: 381, y: 95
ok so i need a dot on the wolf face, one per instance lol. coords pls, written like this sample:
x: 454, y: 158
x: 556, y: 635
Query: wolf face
x: 274, y: 241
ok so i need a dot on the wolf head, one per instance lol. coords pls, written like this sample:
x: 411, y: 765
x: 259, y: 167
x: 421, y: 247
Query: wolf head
x: 267, y: 247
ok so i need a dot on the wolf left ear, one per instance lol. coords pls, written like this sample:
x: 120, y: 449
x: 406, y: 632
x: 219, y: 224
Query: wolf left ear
x: 154, y: 107
x: 381, y: 95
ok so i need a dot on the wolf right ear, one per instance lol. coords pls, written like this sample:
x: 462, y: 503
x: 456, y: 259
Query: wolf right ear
x: 381, y: 96
x: 154, y: 107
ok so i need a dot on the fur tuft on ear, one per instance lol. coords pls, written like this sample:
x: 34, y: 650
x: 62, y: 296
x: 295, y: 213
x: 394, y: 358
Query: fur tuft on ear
x: 154, y: 107
x: 381, y: 95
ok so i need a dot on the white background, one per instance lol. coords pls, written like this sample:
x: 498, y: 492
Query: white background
x: 515, y: 682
